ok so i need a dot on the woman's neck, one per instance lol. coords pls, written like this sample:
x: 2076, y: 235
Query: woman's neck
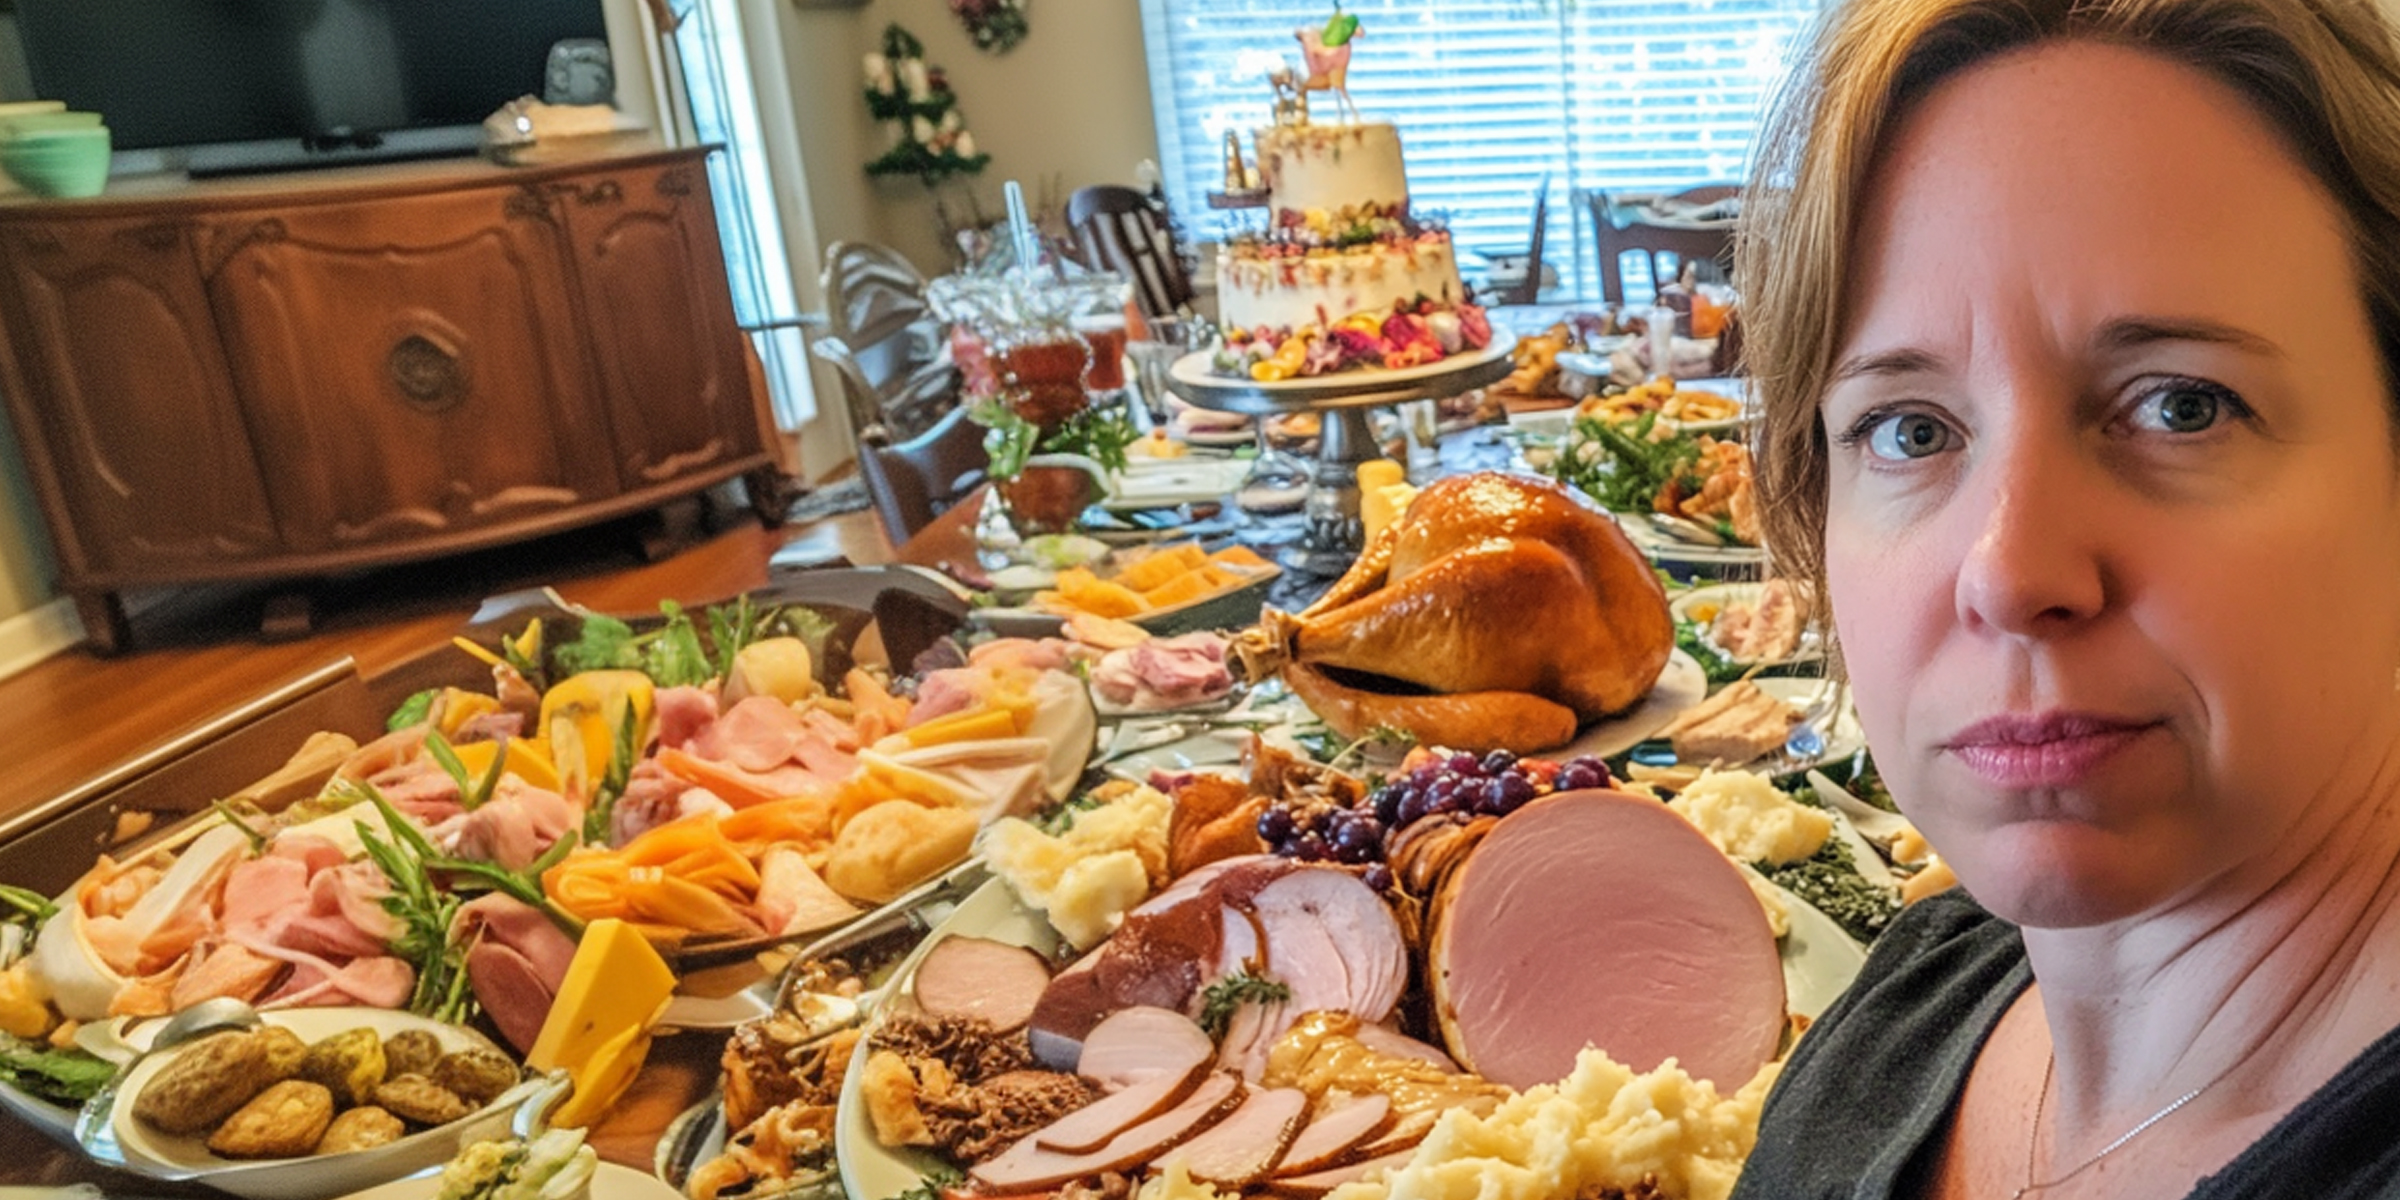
x: 2262, y: 979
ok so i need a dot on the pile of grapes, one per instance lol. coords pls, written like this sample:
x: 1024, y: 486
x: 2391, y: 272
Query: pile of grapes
x: 1430, y: 784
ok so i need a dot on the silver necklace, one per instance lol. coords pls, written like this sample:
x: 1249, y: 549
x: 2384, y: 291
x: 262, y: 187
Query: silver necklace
x: 2041, y: 1104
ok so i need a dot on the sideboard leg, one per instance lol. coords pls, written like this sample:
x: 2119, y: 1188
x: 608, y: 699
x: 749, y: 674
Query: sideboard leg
x: 771, y: 495
x: 105, y: 627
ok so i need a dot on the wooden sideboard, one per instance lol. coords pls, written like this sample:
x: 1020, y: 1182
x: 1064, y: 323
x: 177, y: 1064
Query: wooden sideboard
x: 301, y: 375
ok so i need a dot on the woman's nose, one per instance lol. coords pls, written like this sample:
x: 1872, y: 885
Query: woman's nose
x: 2031, y: 519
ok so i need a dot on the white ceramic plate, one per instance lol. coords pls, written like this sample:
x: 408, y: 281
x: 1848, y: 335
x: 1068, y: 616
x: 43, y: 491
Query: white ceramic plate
x: 1661, y: 548
x: 145, y: 1151
x: 1222, y: 439
x: 1820, y: 959
x: 870, y: 1169
x: 1715, y: 598
x: 1194, y: 370
x: 1165, y: 483
x: 612, y: 1181
x: 1843, y: 737
x: 1681, y: 684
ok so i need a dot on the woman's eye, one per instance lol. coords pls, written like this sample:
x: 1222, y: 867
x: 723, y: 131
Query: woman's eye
x: 1908, y: 435
x: 2184, y: 407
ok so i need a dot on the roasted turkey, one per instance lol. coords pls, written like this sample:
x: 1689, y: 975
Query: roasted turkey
x: 1499, y: 612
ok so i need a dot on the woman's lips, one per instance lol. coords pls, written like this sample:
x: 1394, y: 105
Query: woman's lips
x: 2046, y: 750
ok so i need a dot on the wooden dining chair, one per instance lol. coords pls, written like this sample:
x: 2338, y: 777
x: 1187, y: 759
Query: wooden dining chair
x: 881, y: 338
x: 913, y: 482
x: 1616, y: 234
x: 1119, y: 229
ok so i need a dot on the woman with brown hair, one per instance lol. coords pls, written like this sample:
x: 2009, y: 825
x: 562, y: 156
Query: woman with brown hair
x: 2077, y: 323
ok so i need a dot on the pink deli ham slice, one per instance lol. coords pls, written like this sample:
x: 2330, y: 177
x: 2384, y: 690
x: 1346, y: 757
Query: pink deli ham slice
x: 1029, y: 1167
x: 981, y: 979
x: 1140, y: 1043
x: 1580, y: 920
x: 1094, y: 1125
x: 1242, y: 1148
x: 1332, y: 1137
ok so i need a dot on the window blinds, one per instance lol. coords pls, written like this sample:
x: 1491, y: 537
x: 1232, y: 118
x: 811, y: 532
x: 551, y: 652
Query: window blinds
x: 1490, y: 96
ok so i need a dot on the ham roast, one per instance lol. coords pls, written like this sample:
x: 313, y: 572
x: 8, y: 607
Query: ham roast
x: 1574, y: 921
x: 1317, y: 930
x: 1499, y: 612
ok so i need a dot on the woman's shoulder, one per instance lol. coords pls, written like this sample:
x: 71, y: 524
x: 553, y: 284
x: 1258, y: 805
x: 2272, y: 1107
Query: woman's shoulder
x: 1876, y: 1075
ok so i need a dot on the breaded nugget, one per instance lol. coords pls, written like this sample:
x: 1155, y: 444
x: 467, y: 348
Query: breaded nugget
x: 205, y: 1083
x: 420, y: 1101
x: 410, y: 1052
x: 284, y: 1121
x: 284, y: 1051
x: 349, y: 1064
x: 476, y: 1075
x: 361, y: 1129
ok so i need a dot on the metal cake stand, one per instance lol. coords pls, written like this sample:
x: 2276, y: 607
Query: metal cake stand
x: 1333, y: 533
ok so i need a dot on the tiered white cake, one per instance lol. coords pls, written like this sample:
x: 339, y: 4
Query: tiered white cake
x: 1340, y: 241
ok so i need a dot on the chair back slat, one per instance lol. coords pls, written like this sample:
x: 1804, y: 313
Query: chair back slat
x: 1657, y: 246
x: 1120, y: 230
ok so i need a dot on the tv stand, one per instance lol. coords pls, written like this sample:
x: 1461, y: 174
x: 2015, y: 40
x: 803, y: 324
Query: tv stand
x: 293, y: 376
x: 332, y: 150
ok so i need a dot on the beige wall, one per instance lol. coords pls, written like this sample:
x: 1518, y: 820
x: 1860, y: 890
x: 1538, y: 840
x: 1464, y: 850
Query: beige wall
x: 1069, y: 106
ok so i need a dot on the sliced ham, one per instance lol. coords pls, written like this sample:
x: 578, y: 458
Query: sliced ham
x: 1317, y: 1183
x: 513, y: 828
x: 1096, y: 1124
x: 1334, y: 942
x: 1317, y: 930
x: 517, y: 962
x: 682, y: 714
x: 224, y: 970
x: 1139, y: 1043
x: 1576, y: 921
x: 1244, y: 1147
x: 981, y: 979
x: 1028, y: 1167
x: 1330, y: 1137
x: 759, y: 734
x: 381, y: 982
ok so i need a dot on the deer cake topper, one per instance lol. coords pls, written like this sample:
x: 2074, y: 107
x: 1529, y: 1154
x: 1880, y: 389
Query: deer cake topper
x: 1327, y: 53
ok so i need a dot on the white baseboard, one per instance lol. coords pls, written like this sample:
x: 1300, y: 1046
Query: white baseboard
x: 30, y: 637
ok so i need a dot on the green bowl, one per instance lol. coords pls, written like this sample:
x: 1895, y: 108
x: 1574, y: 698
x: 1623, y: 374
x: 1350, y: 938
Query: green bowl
x: 59, y: 162
x: 46, y: 122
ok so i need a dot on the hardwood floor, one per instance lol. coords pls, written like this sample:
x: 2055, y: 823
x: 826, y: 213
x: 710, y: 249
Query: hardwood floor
x: 76, y: 715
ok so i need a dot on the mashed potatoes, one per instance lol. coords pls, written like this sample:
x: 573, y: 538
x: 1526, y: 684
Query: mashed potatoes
x: 1749, y: 820
x: 1086, y: 879
x: 1600, y: 1127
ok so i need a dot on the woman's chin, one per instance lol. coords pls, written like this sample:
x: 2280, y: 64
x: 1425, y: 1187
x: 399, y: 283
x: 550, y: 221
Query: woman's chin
x: 2064, y: 874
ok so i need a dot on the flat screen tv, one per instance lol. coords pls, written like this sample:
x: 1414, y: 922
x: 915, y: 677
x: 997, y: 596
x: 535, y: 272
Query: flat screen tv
x: 233, y: 85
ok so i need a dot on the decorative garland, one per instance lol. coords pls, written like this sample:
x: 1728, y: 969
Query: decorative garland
x: 933, y: 142
x: 996, y: 25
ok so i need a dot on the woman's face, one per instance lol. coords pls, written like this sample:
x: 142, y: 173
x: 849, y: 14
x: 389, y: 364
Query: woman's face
x: 2113, y: 537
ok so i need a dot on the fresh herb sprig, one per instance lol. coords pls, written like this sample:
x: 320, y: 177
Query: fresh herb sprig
x: 25, y: 904
x: 473, y: 792
x: 409, y: 861
x: 1230, y: 992
x: 601, y: 812
x: 412, y: 711
x: 1099, y: 434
